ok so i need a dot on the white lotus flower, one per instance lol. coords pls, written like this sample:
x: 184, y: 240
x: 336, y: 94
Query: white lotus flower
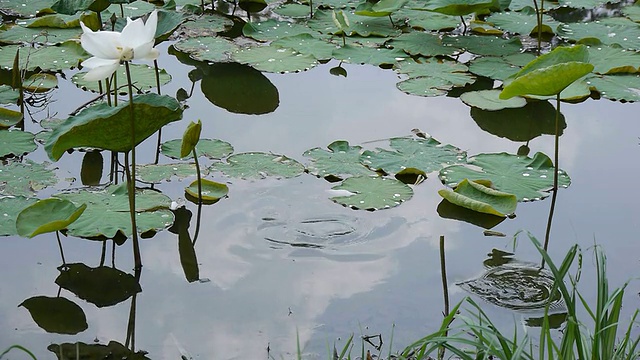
x: 110, y: 48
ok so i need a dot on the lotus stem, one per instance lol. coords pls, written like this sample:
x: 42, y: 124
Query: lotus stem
x: 464, y: 25
x: 195, y: 158
x: 131, y: 176
x: 64, y: 262
x: 155, y: 65
x: 556, y: 169
x: 539, y: 21
x: 310, y: 8
x: 445, y: 290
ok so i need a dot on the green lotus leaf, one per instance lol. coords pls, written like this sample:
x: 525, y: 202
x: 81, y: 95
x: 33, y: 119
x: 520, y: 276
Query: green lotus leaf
x: 426, y: 20
x: 143, y: 77
x: 206, y: 25
x: 307, y: 44
x: 490, y: 100
x: 16, y: 142
x: 275, y: 59
x: 239, y: 89
x: 559, y: 55
x: 133, y: 10
x: 26, y: 8
x: 520, y: 22
x: 60, y: 21
x: 365, y: 26
x: 578, y: 91
x: 342, y: 160
x: 380, y: 8
x: 168, y: 23
x: 11, y: 206
x: 46, y: 216
x: 522, y: 124
x: 585, y: 4
x: 372, y: 193
x: 421, y: 43
x: 477, y: 197
x: 366, y: 55
x: 56, y: 314
x: 71, y: 7
x: 484, y: 45
x: 608, y: 32
x: 107, y: 212
x: 213, y: 149
x: 108, y: 127
x: 632, y: 12
x: 25, y: 179
x: 40, y: 82
x: 613, y: 60
x: 101, y: 286
x: 211, y: 191
x: 207, y: 48
x: 623, y: 87
x: 65, y: 56
x: 546, y: 81
x: 432, y: 78
x: 341, y: 21
x: 190, y: 138
x: 271, y: 30
x: 8, y: 96
x: 427, y: 155
x: 448, y: 210
x: 457, y: 7
x: 156, y: 173
x: 293, y: 10
x: 484, y: 28
x: 20, y: 34
x: 256, y: 165
x: 336, y: 4
x: 528, y: 178
x: 95, y: 351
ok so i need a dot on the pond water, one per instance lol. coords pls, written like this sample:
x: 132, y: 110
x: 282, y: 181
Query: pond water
x: 279, y: 260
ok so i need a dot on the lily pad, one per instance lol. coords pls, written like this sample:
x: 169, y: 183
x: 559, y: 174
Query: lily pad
x: 490, y: 100
x: 427, y: 155
x: 367, y: 55
x: 16, y: 142
x: 528, y: 178
x: 102, y: 286
x: 477, y: 197
x: 427, y: 20
x: 39, y: 83
x: 47, y: 215
x: 365, y: 26
x: 26, y: 8
x: 47, y: 58
x: 309, y: 45
x: 457, y: 7
x: 108, y: 127
x: 56, y: 314
x: 256, y: 165
x: 40, y: 35
x: 206, y: 25
x: 380, y: 8
x: 143, y: 77
x: 211, y: 148
x: 484, y: 45
x: 211, y: 191
x: 157, y: 173
x: 8, y: 95
x: 275, y: 59
x: 431, y: 77
x: 207, y: 48
x: 107, y: 212
x: 627, y: 36
x: 133, y: 9
x: 11, y: 206
x: 623, y: 87
x: 272, y: 30
x: 372, y: 193
x: 342, y: 160
x: 422, y: 43
x: 613, y: 60
x: 500, y: 68
x: 520, y: 23
x: 9, y: 118
x: 25, y: 179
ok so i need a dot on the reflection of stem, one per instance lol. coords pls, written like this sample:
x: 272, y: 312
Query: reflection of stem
x: 131, y: 324
x: 445, y: 289
x: 64, y: 262
x: 555, y: 177
x: 103, y: 253
x: 113, y: 254
x: 195, y: 157
x: 464, y: 25
x: 131, y: 176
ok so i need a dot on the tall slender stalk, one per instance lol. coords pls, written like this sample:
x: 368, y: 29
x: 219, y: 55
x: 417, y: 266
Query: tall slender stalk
x: 157, y: 71
x: 445, y: 290
x: 539, y: 21
x: 64, y: 262
x: 131, y: 175
x: 195, y: 158
x: 556, y: 168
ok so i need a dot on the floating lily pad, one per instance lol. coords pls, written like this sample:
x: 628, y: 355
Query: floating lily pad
x: 8, y: 95
x: 427, y: 20
x: 11, y: 207
x: 211, y: 148
x: 41, y: 82
x: 623, y: 87
x: 339, y: 162
x: 432, y: 78
x: 107, y: 212
x: 272, y: 30
x: 9, y: 118
x: 500, y: 68
x: 256, y: 165
x: 490, y: 100
x: 457, y: 7
x: 156, y: 173
x: 143, y: 77
x: 26, y: 8
x: 20, y: 34
x: 48, y: 58
x: 372, y: 193
x: 309, y: 45
x: 207, y: 48
x: 25, y: 179
x: 16, y: 142
x: 56, y: 314
x: 529, y: 179
x: 275, y: 59
x: 380, y: 8
x: 47, y: 215
x: 133, y: 9
x: 367, y: 55
x: 206, y: 25
x: 485, y: 45
x: 109, y: 127
x: 365, y: 26
x: 585, y: 4
x: 211, y: 191
x: 101, y: 286
x: 521, y: 124
x: 484, y: 28
x: 427, y: 155
x: 613, y: 60
x: 61, y: 21
x: 521, y: 23
x: 71, y: 7
x: 477, y: 197
x: 421, y: 43
x: 95, y: 351
x: 293, y: 10
x: 627, y: 36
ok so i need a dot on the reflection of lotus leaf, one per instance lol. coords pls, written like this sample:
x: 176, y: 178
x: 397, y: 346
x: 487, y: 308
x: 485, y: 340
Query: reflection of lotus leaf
x: 517, y: 286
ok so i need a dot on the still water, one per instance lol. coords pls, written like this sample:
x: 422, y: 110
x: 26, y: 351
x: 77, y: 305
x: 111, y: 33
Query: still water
x: 371, y: 272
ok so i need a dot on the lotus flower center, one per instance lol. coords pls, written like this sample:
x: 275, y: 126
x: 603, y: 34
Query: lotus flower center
x: 126, y: 54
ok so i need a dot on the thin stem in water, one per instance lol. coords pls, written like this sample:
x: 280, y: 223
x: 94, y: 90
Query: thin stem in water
x: 131, y: 176
x: 555, y: 177
x: 195, y: 158
x: 445, y: 289
x: 64, y: 262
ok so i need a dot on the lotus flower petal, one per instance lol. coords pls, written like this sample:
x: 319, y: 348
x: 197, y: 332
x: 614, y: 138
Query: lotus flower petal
x: 100, y: 68
x: 103, y: 44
